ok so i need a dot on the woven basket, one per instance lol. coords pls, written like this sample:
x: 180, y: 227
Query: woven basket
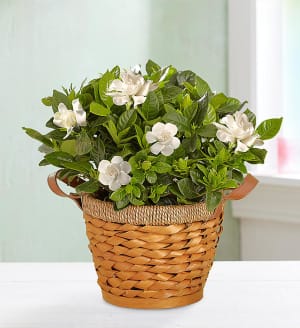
x: 152, y: 256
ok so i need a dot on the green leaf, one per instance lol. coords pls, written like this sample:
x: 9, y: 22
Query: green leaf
x: 237, y: 175
x: 45, y: 149
x: 169, y: 108
x: 191, y: 144
x: 122, y: 203
x: 116, y: 71
x: 156, y: 192
x: 57, y: 134
x: 112, y: 130
x: 63, y: 159
x: 127, y: 150
x: 85, y: 99
x: 146, y: 165
x: 82, y: 167
x: 202, y: 86
x: 138, y: 177
x: 95, y: 85
x: 152, y: 67
x: 185, y: 100
x: 191, y: 89
x: 43, y: 162
x: 136, y: 191
x: 59, y: 158
x: 47, y: 101
x: 83, y: 144
x: 139, y: 135
x: 99, y: 109
x: 240, y: 166
x: 150, y: 107
x: 180, y: 198
x: 104, y: 83
x: 161, y: 167
x: 141, y: 155
x: 88, y: 186
x: 203, y: 169
x: 251, y: 116
x: 269, y: 128
x: 186, y: 76
x: 118, y: 195
x: 151, y: 177
x: 68, y: 146
x: 68, y: 175
x: 213, y: 199
x: 50, y: 124
x: 126, y: 119
x: 218, y: 100
x: 258, y: 156
x: 191, y: 111
x: 59, y: 97
x: 178, y: 119
x: 38, y: 136
x: 162, y: 75
x: 207, y: 131
x: 230, y: 184
x: 202, y: 109
x: 170, y: 92
x: 93, y: 125
x: 98, y: 150
x: 211, y: 115
x: 134, y: 201
x: 232, y: 105
x: 123, y: 134
x: 196, y: 176
x: 187, y: 188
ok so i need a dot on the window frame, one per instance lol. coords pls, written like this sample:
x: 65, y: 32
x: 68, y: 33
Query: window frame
x: 242, y: 83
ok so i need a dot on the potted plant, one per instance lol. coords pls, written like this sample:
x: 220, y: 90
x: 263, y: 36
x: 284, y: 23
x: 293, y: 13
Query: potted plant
x: 152, y: 158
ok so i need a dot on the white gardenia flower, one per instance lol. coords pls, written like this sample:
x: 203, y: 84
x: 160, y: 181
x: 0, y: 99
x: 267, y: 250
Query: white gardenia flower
x: 68, y: 118
x: 131, y: 85
x: 163, y: 138
x: 136, y: 69
x: 114, y: 173
x: 238, y: 129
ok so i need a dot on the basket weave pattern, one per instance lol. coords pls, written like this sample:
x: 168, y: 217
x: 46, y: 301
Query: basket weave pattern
x: 149, y: 266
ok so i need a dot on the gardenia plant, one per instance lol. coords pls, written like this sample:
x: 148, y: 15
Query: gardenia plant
x: 160, y: 138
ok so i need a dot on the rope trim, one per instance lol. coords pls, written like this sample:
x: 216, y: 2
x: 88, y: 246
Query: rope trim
x: 146, y: 215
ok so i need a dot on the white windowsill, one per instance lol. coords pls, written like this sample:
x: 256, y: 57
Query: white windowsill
x: 273, y: 199
x: 280, y: 179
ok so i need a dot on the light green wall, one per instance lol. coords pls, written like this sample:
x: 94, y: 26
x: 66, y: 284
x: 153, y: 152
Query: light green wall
x: 191, y: 34
x: 49, y: 43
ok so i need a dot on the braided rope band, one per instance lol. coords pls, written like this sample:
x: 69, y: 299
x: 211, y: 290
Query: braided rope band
x: 145, y: 215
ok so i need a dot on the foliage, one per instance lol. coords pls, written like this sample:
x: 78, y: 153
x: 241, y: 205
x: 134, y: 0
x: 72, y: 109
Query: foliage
x: 203, y: 165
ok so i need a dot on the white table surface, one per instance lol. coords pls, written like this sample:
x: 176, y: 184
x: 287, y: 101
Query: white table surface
x: 66, y: 295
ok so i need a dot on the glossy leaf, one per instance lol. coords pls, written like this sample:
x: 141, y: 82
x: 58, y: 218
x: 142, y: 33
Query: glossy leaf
x: 38, y: 136
x: 213, y: 199
x: 83, y: 144
x: 269, y: 128
x: 99, y: 109
x: 88, y: 186
x: 127, y: 119
x: 187, y: 188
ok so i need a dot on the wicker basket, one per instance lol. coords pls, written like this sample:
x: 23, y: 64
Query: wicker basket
x: 152, y: 256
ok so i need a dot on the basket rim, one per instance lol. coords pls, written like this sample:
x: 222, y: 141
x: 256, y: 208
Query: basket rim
x: 146, y: 214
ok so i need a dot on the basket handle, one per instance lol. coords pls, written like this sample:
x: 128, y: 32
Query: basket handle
x: 242, y: 190
x: 238, y: 193
x: 53, y: 185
